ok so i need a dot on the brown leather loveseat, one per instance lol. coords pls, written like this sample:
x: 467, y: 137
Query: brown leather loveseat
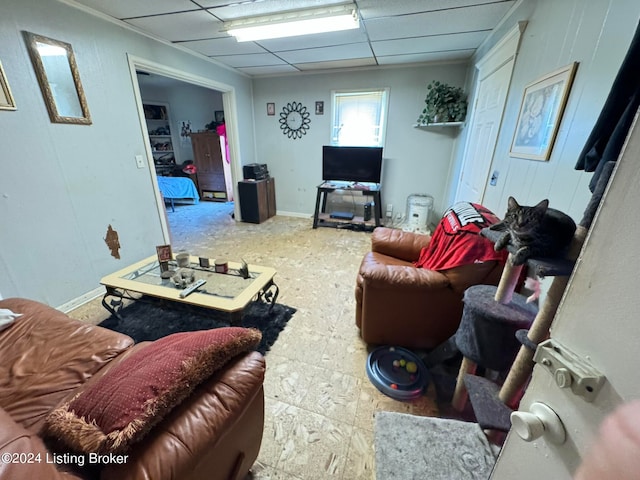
x: 401, y: 305
x: 46, y: 358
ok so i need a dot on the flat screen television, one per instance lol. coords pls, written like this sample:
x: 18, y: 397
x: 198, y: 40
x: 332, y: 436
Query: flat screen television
x: 352, y: 164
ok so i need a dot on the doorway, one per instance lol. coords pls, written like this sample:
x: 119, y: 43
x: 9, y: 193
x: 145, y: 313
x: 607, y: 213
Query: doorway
x: 494, y: 79
x: 228, y: 101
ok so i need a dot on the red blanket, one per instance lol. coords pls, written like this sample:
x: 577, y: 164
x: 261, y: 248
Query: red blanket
x: 457, y: 240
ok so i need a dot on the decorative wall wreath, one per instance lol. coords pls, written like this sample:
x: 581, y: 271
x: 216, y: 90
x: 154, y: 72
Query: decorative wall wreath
x: 294, y: 120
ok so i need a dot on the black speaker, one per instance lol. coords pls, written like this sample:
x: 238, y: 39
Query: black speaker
x: 367, y: 211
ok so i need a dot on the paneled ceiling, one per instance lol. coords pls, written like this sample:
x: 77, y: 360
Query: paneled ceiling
x: 391, y: 32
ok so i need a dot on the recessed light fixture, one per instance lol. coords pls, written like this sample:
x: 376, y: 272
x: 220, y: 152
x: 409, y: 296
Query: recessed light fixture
x: 293, y: 23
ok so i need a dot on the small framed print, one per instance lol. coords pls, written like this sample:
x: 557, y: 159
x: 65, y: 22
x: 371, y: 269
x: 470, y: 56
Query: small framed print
x: 164, y: 253
x: 271, y: 109
x: 319, y: 108
x: 219, y: 116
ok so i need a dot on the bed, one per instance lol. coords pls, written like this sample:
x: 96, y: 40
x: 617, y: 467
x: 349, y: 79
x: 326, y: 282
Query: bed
x: 178, y: 189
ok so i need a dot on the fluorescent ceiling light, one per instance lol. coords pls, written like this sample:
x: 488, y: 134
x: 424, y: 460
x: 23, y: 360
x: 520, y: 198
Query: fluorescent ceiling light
x: 290, y: 24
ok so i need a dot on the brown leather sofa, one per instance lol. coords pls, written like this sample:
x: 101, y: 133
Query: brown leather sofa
x: 47, y: 357
x: 401, y: 305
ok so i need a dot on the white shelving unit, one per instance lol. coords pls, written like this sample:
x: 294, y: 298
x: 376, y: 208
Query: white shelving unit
x: 160, y: 136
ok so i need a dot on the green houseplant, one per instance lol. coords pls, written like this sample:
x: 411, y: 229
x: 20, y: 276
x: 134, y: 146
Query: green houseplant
x: 443, y: 103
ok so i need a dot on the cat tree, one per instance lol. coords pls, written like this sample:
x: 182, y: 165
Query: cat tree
x: 492, y: 404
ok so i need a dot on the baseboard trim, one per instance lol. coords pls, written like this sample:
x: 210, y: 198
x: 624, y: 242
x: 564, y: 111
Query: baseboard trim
x: 294, y: 214
x: 81, y: 300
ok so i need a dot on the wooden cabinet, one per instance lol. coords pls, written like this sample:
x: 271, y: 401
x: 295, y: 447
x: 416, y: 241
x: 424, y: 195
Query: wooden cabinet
x: 257, y: 200
x: 209, y: 160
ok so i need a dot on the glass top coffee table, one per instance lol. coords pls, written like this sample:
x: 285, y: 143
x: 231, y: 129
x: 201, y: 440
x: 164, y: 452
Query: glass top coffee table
x: 228, y: 292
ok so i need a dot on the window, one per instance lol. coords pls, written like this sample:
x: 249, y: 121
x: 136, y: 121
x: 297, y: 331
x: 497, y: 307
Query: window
x: 359, y: 117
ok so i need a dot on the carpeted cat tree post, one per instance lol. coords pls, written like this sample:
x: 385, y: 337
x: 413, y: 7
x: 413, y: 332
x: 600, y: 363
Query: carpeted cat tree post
x: 539, y: 330
x: 486, y: 335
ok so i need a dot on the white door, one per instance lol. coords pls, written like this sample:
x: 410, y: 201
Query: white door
x: 598, y: 321
x: 492, y: 94
x: 494, y: 78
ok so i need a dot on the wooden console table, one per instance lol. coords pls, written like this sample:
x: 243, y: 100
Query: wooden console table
x: 321, y: 218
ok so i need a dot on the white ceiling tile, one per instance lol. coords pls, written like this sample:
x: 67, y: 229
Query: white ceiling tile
x: 436, y: 43
x: 426, y: 57
x: 398, y: 31
x: 376, y: 8
x: 482, y: 17
x: 323, y: 54
x: 253, y: 60
x: 315, y: 40
x: 128, y: 8
x: 350, y: 63
x: 180, y: 26
x: 223, y: 46
x: 268, y: 70
x: 240, y: 9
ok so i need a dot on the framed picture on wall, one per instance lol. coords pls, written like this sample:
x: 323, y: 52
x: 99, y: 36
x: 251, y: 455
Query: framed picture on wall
x: 541, y: 109
x: 219, y: 116
x: 6, y: 99
x: 271, y: 108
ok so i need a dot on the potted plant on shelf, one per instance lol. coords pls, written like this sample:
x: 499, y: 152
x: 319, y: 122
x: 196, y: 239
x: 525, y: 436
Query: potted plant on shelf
x: 443, y: 103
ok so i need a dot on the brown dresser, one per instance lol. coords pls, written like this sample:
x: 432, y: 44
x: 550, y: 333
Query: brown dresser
x: 207, y: 156
x: 257, y: 199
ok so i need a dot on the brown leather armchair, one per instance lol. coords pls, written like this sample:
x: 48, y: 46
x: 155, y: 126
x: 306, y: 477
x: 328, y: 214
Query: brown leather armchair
x: 401, y: 305
x: 46, y: 358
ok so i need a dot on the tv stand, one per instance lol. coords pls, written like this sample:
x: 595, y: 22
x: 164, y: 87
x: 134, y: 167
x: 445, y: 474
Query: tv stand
x: 322, y: 218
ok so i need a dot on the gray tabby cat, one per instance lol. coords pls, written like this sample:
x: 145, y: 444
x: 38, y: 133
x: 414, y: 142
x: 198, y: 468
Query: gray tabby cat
x: 537, y: 231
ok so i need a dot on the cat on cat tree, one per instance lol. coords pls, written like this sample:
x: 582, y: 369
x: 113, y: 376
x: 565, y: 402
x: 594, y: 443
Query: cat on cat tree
x: 534, y: 231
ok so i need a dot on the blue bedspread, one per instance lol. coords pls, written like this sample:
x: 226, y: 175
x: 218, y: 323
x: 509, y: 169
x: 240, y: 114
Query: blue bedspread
x: 174, y: 188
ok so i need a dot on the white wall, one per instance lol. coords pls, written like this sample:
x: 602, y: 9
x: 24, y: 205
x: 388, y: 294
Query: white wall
x: 415, y: 160
x: 595, y: 33
x: 62, y: 185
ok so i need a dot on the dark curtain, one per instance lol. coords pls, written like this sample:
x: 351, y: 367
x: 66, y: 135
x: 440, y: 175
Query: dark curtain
x: 611, y: 128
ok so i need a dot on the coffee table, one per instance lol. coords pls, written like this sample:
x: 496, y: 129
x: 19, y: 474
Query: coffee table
x: 226, y: 292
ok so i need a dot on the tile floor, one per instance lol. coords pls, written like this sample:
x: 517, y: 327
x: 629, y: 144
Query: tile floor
x: 320, y: 404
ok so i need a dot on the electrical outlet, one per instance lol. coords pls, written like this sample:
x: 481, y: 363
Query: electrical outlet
x: 140, y: 161
x: 389, y: 210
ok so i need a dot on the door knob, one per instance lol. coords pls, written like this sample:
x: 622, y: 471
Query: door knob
x: 541, y: 421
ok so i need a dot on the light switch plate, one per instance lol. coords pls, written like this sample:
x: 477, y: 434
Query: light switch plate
x: 140, y: 161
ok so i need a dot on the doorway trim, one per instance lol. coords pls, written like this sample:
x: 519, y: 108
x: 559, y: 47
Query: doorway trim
x: 231, y: 123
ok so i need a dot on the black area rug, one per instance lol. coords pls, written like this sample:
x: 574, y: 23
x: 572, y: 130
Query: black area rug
x: 150, y: 319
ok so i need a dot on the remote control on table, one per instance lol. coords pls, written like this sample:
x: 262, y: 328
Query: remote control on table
x: 192, y: 288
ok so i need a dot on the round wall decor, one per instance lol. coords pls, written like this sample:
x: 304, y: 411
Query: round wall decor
x: 294, y: 120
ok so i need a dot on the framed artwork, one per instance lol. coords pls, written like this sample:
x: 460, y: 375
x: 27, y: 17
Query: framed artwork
x: 6, y: 99
x: 271, y: 108
x: 164, y: 253
x: 541, y: 110
x: 219, y: 116
x: 59, y: 79
x: 319, y: 108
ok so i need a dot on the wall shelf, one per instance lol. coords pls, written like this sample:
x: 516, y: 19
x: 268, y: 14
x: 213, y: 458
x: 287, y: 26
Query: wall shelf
x: 439, y: 124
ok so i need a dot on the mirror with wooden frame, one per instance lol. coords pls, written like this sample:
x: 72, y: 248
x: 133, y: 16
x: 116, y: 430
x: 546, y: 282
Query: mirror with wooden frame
x: 57, y: 73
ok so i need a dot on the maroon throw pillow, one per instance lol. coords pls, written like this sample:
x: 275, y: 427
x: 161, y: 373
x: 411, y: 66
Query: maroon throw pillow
x: 136, y: 394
